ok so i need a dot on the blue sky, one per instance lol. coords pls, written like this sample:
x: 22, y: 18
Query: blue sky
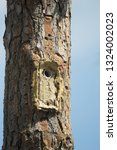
x: 84, y: 73
x: 2, y: 65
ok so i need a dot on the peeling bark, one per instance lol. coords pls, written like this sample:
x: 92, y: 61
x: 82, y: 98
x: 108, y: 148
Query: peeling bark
x: 37, y: 81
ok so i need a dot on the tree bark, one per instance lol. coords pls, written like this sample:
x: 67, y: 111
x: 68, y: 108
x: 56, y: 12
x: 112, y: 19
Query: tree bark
x: 37, y: 80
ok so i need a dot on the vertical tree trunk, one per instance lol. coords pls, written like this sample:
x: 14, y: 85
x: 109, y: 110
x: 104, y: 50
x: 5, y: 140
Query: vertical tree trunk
x: 37, y: 81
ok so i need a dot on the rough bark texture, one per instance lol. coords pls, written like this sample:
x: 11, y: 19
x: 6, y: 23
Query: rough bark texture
x: 37, y: 81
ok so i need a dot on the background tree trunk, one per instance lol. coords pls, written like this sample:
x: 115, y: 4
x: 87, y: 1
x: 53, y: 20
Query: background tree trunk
x: 37, y: 81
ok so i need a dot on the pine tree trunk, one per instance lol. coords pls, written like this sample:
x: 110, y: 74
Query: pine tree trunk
x: 37, y: 81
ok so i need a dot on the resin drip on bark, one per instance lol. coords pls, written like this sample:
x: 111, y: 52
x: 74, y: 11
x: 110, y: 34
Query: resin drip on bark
x: 37, y: 81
